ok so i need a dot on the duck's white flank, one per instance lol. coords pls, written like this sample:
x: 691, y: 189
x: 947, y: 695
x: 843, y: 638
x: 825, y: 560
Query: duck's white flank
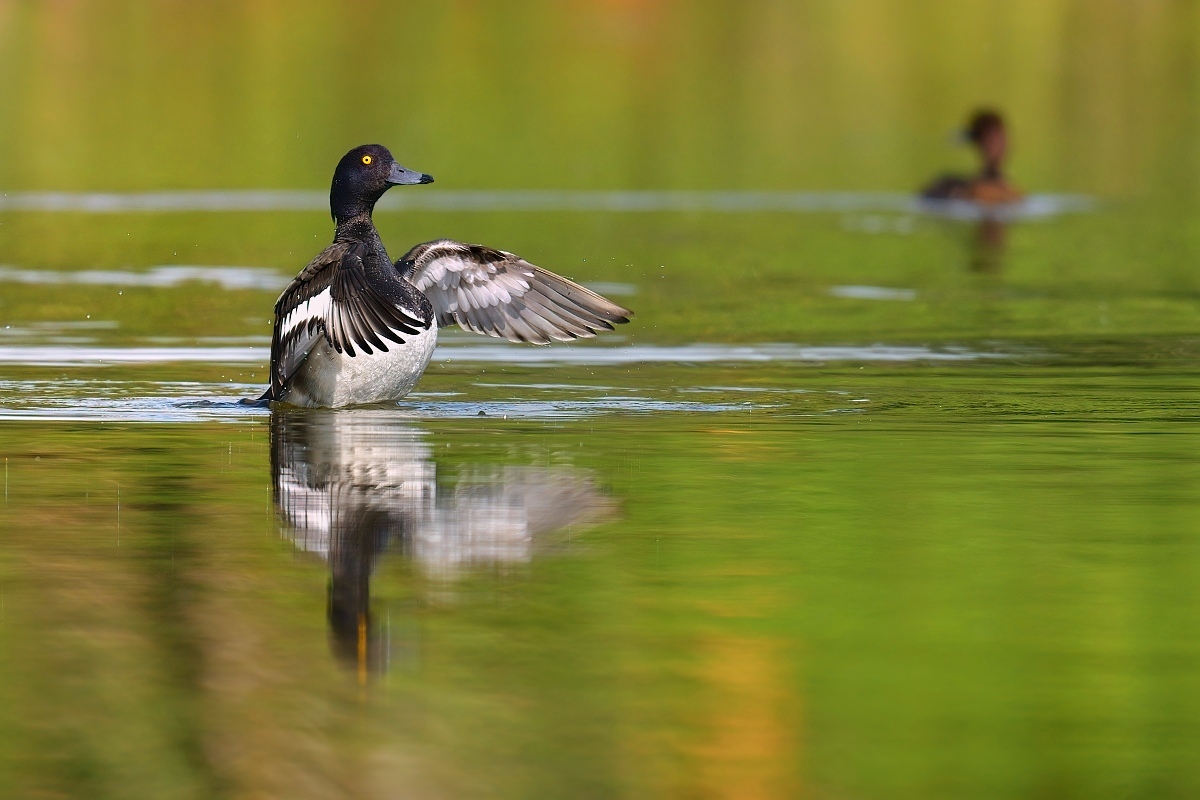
x: 380, y: 377
x: 329, y: 379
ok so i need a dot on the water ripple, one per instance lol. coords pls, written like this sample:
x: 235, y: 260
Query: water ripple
x: 83, y: 401
x: 528, y: 355
x: 539, y: 200
x: 562, y: 409
x: 872, y: 293
x: 158, y: 277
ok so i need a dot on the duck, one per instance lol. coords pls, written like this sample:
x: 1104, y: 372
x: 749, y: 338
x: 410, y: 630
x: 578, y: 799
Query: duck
x: 987, y: 133
x: 355, y: 328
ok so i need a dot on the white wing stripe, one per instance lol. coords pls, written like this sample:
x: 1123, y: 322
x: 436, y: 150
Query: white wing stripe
x: 315, y: 307
x: 414, y: 316
x: 321, y: 307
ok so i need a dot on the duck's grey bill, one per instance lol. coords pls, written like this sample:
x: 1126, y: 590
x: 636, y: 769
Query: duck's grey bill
x: 398, y: 176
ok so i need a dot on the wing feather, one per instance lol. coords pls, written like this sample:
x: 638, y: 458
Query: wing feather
x: 522, y: 329
x: 560, y: 317
x: 502, y: 295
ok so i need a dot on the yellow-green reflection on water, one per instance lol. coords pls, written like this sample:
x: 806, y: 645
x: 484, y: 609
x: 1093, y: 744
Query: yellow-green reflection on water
x: 866, y: 502
x: 884, y: 603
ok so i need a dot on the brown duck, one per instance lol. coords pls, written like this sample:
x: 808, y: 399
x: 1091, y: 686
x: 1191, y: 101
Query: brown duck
x: 987, y: 134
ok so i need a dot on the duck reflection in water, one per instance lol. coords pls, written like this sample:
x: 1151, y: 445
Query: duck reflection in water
x: 352, y: 485
x: 987, y: 245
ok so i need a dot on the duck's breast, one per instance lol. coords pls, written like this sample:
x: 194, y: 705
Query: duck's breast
x: 329, y: 379
x: 380, y: 377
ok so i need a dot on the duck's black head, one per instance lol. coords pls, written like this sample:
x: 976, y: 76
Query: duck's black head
x: 361, y: 178
x: 987, y: 132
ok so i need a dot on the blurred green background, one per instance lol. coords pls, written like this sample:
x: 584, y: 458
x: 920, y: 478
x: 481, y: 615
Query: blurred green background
x: 860, y: 95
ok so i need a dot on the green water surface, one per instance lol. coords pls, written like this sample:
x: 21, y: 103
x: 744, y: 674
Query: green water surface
x: 933, y: 531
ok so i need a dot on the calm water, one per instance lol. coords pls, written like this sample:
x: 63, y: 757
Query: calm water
x: 871, y: 499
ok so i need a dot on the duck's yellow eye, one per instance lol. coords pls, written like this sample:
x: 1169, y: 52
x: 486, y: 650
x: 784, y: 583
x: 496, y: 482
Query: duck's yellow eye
x: 367, y: 159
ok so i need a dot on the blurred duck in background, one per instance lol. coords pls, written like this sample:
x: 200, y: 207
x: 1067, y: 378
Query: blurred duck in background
x: 986, y: 132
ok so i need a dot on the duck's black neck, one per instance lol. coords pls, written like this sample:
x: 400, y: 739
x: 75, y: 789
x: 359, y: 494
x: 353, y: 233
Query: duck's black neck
x: 348, y: 201
x: 341, y: 208
x: 356, y: 227
x: 360, y: 228
x: 991, y: 171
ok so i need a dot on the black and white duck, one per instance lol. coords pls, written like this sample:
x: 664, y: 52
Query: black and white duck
x: 353, y: 328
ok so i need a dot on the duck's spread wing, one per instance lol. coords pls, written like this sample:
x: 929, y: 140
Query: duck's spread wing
x: 332, y: 298
x: 499, y: 294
